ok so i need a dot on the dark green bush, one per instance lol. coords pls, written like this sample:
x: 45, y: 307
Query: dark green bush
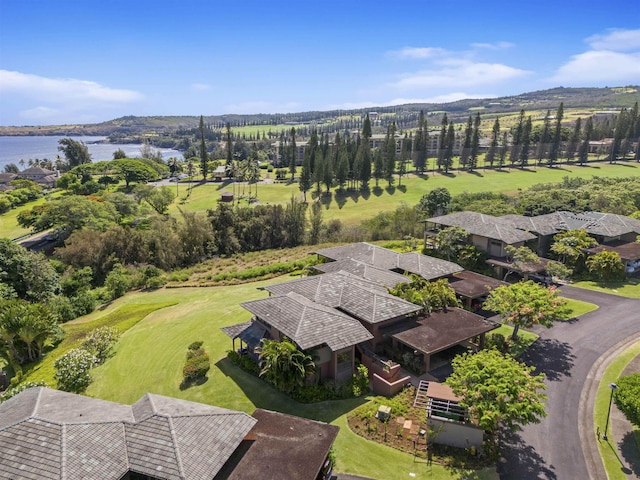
x: 627, y: 397
x: 197, y: 364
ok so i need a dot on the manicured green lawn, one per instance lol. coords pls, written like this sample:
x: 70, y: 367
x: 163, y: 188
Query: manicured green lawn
x: 9, y: 227
x: 122, y: 317
x: 352, y: 207
x: 579, y: 307
x: 608, y: 448
x: 149, y: 358
x: 629, y: 288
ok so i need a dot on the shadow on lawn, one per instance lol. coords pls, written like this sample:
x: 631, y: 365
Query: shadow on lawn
x: 263, y: 395
x: 520, y: 460
x: 551, y: 357
x: 629, y: 451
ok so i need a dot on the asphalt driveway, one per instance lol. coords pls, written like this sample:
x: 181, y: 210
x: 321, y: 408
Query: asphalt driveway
x: 566, y: 353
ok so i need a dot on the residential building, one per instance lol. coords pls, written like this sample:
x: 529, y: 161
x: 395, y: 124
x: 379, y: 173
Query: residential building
x: 344, y: 315
x: 49, y: 434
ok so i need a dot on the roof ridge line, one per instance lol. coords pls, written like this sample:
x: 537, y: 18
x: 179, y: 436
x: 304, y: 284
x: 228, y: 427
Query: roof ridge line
x: 176, y: 449
x: 152, y: 403
x: 37, y: 404
x: 125, y: 443
x: 63, y: 451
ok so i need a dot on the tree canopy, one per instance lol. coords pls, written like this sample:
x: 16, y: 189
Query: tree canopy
x: 134, y: 171
x: 525, y: 304
x: 606, y: 266
x: 429, y: 295
x: 284, y: 365
x: 26, y: 275
x: 627, y: 397
x: 498, y: 390
x: 76, y: 153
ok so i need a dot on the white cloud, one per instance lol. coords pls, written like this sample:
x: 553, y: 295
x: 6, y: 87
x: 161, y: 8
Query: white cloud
x: 261, y: 107
x: 459, y: 74
x: 599, y: 66
x: 200, y: 87
x: 493, y: 46
x: 616, y: 40
x: 62, y: 90
x: 418, y: 52
x: 444, y: 98
x: 40, y: 113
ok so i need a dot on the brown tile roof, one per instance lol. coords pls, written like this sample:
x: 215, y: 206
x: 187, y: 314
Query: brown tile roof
x: 441, y: 391
x: 440, y: 330
x: 282, y: 447
x: 627, y: 251
x: 51, y: 434
x: 473, y: 285
x: 307, y: 323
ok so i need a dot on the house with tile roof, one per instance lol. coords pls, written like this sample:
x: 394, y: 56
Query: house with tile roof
x: 492, y: 234
x: 40, y: 175
x: 49, y: 434
x: 328, y: 333
x: 429, y: 268
x: 340, y: 316
x: 486, y: 232
x: 369, y: 303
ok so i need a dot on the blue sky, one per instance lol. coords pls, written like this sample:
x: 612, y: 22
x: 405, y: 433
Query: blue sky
x: 89, y: 61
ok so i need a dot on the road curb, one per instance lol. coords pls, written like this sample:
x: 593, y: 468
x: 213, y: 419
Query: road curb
x: 586, y: 407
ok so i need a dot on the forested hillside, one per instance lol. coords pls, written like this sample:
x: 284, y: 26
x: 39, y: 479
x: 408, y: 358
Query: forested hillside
x: 405, y: 116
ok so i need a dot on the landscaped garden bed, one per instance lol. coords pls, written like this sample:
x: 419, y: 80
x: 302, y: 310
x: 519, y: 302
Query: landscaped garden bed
x: 406, y: 430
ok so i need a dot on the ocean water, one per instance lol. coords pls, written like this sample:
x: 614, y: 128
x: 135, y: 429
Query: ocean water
x: 14, y: 149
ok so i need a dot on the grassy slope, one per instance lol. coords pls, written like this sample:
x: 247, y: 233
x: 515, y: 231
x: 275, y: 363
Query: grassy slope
x: 150, y: 357
x: 9, y: 227
x: 123, y: 317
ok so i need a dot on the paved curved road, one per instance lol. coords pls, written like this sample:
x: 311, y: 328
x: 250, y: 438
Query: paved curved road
x: 567, y: 352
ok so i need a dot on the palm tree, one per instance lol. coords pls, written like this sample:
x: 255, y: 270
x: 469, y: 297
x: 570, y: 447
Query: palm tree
x: 284, y: 365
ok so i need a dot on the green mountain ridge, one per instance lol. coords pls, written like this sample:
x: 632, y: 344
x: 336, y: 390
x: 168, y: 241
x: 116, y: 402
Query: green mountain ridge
x: 589, y: 98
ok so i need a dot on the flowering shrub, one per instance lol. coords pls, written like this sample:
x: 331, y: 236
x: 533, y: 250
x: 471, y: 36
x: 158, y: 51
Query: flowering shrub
x: 100, y: 343
x: 72, y: 370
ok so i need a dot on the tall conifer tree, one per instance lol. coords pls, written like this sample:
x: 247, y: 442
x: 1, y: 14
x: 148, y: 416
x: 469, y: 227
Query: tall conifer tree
x: 475, y: 143
x: 583, y: 153
x: 204, y: 164
x: 493, y: 147
x: 545, y: 136
x: 557, y: 136
x: 526, y: 143
x: 466, y: 146
x: 572, y: 148
x: 293, y: 154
